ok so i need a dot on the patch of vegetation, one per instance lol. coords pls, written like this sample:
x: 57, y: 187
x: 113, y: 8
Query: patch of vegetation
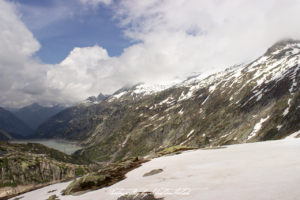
x: 79, y: 171
x: 8, y: 184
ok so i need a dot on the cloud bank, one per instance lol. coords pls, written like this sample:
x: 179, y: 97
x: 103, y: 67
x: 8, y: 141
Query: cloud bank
x: 172, y: 39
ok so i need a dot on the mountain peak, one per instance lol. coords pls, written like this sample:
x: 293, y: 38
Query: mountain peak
x: 281, y: 44
x: 102, y: 97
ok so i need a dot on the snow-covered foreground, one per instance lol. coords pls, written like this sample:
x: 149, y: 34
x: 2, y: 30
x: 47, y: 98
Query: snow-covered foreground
x: 264, y: 170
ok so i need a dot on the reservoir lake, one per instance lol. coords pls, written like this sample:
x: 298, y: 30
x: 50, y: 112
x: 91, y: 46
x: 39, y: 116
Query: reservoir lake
x: 62, y: 146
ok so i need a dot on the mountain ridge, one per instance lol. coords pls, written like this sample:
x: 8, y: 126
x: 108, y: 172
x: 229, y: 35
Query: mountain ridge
x: 249, y: 102
x: 11, y: 123
x: 35, y: 114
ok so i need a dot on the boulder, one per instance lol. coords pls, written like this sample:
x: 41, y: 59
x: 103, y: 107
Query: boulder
x: 105, y: 177
x: 52, y: 197
x: 140, y: 196
x: 152, y: 172
x: 82, y: 183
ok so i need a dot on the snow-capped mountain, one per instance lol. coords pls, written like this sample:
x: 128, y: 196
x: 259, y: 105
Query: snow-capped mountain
x: 94, y: 100
x: 249, y: 102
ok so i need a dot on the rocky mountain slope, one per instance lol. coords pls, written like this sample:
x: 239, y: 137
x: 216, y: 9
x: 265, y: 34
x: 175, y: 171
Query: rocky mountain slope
x: 65, y: 121
x: 4, y: 136
x: 10, y: 123
x: 34, y: 114
x: 28, y: 166
x: 250, y: 102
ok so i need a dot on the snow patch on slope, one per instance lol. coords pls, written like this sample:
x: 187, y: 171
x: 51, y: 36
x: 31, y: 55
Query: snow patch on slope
x: 192, y: 131
x: 257, y: 127
x: 293, y: 135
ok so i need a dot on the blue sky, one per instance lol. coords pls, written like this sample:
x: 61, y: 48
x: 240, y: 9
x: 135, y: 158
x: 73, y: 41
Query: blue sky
x: 63, y: 51
x: 79, y: 28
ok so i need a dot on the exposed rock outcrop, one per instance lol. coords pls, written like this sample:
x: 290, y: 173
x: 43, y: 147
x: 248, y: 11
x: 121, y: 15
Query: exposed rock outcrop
x: 22, y: 171
x: 140, y: 196
x: 105, y: 177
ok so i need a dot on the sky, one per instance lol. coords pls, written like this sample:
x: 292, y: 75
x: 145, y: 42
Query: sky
x: 61, y: 52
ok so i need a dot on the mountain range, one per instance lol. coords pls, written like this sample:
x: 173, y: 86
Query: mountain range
x: 10, y: 123
x: 5, y: 136
x: 249, y: 102
x: 35, y: 114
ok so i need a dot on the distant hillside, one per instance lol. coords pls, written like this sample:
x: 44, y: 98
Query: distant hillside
x: 11, y: 109
x: 61, y: 121
x: 34, y: 114
x: 4, y: 135
x: 10, y: 123
x: 64, y: 121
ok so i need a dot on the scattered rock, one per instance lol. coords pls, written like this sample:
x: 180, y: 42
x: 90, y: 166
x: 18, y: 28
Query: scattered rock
x: 140, y: 196
x: 53, y: 197
x: 153, y: 172
x: 51, y: 191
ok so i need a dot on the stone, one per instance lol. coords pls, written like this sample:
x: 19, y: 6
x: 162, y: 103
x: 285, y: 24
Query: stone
x: 140, y: 196
x: 52, y: 197
x: 153, y: 172
x: 83, y: 182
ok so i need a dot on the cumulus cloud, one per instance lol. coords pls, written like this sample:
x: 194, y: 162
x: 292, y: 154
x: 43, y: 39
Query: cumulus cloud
x: 172, y: 38
x: 175, y: 38
x: 17, y: 44
x: 208, y: 34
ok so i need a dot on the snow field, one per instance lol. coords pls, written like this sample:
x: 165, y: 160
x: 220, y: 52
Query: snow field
x: 263, y: 170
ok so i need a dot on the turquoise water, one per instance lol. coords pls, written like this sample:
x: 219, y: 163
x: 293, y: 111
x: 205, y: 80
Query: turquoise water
x: 66, y: 147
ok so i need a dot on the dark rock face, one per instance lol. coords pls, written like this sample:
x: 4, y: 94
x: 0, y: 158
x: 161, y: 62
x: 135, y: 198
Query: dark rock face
x: 33, y: 115
x: 10, y: 123
x: 102, y: 97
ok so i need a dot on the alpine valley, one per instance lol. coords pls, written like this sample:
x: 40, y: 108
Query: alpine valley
x: 246, y: 103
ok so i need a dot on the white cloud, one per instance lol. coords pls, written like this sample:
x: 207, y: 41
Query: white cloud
x: 173, y: 38
x: 17, y: 44
x: 178, y: 37
x: 77, y: 73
